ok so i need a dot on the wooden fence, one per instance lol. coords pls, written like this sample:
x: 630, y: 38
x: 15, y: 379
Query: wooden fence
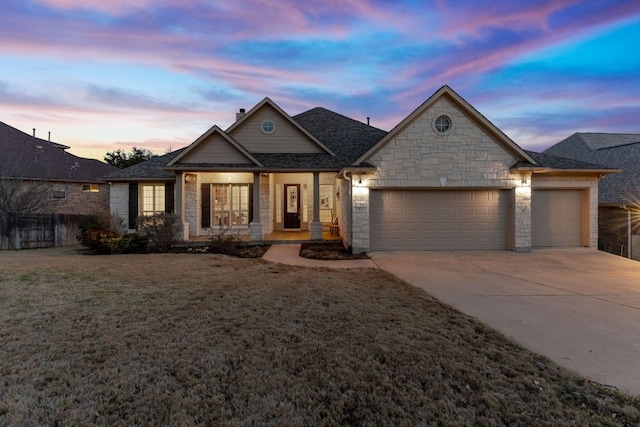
x: 28, y: 230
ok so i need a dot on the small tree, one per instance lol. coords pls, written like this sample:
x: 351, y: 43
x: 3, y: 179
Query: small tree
x: 162, y: 230
x: 26, y: 196
x: 120, y: 159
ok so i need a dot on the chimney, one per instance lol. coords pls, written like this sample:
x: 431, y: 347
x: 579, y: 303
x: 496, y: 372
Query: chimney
x: 240, y: 114
x: 34, y: 132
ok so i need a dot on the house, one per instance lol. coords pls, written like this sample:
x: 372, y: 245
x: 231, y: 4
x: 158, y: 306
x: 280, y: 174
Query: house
x: 445, y: 178
x: 618, y: 195
x: 56, y: 181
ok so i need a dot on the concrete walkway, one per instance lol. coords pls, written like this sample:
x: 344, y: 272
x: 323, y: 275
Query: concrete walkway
x: 289, y: 254
x: 578, y: 307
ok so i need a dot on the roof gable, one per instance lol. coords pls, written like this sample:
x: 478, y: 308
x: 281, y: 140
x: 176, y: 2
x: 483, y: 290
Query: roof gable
x: 449, y: 95
x: 287, y: 137
x: 214, y: 147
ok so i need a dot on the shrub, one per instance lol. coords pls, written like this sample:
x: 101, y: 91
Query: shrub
x: 161, y: 230
x: 105, y: 235
x: 222, y: 240
x: 100, y: 241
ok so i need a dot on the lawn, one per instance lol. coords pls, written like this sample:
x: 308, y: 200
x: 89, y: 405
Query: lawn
x: 203, y: 339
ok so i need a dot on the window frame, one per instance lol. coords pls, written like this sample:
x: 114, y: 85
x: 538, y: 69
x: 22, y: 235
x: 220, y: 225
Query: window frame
x: 157, y: 200
x: 438, y: 124
x: 57, y: 189
x: 231, y: 204
x: 91, y: 188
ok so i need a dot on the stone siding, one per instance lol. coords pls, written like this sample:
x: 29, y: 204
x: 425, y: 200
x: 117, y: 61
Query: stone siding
x: 418, y: 157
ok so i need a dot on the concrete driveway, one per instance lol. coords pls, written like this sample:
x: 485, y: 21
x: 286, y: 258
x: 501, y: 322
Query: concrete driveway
x: 578, y: 307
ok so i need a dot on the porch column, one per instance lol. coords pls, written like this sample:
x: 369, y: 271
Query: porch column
x: 179, y: 204
x: 255, y: 228
x: 316, y: 225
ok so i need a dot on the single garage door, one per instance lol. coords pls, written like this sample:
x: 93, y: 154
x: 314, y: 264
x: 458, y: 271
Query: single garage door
x: 556, y: 218
x: 438, y: 219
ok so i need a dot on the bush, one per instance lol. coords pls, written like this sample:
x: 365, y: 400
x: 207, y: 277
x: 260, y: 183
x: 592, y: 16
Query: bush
x: 222, y: 240
x: 161, y: 230
x: 105, y: 235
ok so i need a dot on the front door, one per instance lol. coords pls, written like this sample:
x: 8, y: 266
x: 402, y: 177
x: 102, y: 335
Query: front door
x: 292, y: 206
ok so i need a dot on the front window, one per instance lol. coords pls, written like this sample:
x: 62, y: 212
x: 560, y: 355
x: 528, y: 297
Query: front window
x: 152, y: 199
x: 230, y: 203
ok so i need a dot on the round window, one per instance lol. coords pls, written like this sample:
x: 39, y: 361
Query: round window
x: 442, y: 124
x: 268, y: 126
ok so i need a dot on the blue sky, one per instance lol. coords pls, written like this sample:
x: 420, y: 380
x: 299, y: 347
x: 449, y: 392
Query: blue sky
x: 103, y: 75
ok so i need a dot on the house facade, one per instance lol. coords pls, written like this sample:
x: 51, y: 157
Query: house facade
x: 619, y: 194
x: 445, y: 178
x: 34, y: 168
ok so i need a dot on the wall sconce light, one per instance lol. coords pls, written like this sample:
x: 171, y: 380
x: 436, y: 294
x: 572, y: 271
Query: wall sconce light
x: 360, y: 179
x: 524, y: 180
x: 338, y: 194
x: 190, y: 178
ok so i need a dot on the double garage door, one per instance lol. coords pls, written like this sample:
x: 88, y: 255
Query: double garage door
x: 439, y: 220
x: 469, y: 219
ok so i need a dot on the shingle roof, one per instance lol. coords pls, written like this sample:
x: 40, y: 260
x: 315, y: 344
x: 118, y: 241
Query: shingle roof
x: 618, y: 151
x: 27, y: 157
x: 150, y: 169
x: 346, y: 137
x: 555, y: 162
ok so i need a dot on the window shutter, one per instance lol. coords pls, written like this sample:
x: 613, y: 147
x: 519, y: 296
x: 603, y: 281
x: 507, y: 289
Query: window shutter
x: 169, y: 198
x: 133, y: 204
x: 250, y: 203
x: 205, y: 189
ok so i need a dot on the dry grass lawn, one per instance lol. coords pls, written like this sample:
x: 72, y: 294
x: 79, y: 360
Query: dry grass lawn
x: 180, y: 339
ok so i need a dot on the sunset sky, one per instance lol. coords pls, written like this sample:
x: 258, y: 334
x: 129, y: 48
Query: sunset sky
x: 107, y: 74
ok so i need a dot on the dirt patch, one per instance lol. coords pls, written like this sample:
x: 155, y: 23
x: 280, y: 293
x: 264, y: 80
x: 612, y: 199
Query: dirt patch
x: 328, y: 251
x: 176, y: 339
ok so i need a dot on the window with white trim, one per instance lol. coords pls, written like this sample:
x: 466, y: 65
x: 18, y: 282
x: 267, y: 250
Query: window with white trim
x: 152, y: 199
x: 230, y: 204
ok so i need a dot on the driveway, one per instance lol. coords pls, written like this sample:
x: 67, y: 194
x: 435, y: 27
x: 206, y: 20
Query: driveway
x: 578, y: 307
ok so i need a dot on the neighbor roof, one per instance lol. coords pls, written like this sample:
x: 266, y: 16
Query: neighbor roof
x: 619, y: 151
x: 27, y: 157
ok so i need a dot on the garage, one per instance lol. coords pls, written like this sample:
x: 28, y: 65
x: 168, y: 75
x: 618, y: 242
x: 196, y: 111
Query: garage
x: 439, y: 219
x: 556, y: 218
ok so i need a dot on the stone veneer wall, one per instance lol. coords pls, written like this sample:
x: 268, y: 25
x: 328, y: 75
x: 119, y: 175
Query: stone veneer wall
x: 418, y: 157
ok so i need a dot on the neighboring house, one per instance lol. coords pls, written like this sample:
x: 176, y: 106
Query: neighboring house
x: 619, y: 194
x: 445, y: 178
x: 66, y: 183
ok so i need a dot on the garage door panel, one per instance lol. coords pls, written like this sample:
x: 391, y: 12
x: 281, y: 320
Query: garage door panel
x: 556, y: 218
x: 440, y: 220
